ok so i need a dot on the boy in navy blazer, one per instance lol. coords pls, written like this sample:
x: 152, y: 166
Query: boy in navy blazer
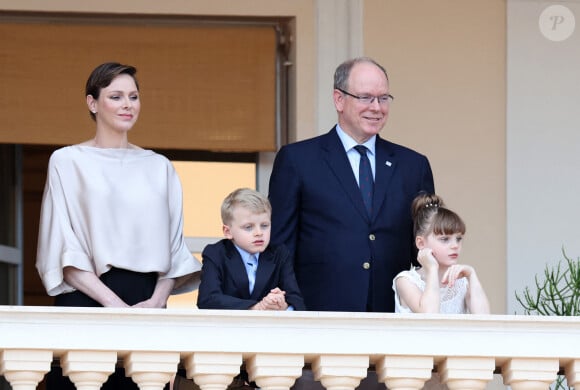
x: 242, y: 271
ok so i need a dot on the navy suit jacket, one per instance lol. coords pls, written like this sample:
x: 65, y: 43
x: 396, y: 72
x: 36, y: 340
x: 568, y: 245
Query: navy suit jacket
x: 344, y: 260
x: 224, y: 280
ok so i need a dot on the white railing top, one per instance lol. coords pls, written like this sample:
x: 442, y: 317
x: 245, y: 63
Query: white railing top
x: 306, y: 333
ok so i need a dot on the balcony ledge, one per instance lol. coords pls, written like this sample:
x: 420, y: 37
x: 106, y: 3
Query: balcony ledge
x: 457, y: 344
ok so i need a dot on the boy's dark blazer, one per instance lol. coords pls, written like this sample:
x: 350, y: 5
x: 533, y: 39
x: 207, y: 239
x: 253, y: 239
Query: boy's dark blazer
x: 224, y: 281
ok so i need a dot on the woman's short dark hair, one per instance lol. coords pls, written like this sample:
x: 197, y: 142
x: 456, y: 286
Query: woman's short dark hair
x: 102, y: 76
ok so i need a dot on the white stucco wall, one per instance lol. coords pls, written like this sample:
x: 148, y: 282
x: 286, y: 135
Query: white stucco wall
x: 543, y: 143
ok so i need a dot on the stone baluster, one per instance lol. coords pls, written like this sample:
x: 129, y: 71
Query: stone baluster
x: 274, y: 371
x: 404, y: 372
x: 151, y: 370
x: 573, y: 373
x: 340, y: 372
x: 24, y: 368
x: 530, y: 373
x: 88, y: 370
x: 464, y: 373
x: 213, y: 370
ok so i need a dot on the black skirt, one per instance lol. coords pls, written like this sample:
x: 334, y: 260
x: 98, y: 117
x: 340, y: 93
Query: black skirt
x: 131, y: 287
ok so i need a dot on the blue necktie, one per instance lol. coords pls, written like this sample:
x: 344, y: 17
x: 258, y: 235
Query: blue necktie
x: 251, y: 267
x: 365, y: 178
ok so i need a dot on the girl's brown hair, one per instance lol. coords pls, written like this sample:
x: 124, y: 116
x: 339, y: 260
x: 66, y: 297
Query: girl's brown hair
x: 431, y: 216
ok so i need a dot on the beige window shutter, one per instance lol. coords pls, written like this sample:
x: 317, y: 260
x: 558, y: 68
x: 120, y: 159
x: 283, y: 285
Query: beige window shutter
x: 203, y: 86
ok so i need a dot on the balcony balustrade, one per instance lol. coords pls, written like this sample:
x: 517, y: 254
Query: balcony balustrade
x: 340, y: 348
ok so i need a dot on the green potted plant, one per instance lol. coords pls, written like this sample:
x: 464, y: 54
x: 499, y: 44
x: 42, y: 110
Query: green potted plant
x: 556, y: 294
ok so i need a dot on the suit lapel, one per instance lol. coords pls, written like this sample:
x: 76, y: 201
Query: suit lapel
x: 338, y: 163
x: 385, y: 166
x: 266, y: 266
x: 237, y: 270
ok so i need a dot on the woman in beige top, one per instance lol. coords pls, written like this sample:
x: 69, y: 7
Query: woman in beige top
x: 111, y: 219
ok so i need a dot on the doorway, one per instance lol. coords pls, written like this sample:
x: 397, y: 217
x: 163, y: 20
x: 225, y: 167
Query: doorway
x: 10, y: 225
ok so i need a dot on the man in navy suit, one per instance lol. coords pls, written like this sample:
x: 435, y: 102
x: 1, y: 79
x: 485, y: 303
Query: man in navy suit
x: 346, y: 252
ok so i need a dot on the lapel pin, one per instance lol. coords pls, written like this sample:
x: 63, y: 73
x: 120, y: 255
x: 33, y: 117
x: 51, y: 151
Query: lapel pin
x: 388, y: 163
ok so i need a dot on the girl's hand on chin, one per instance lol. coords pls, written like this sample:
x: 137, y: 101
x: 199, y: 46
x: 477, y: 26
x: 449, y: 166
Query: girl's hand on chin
x: 426, y: 259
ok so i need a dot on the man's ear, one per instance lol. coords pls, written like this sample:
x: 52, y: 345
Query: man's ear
x: 338, y: 98
x: 227, y: 232
x: 420, y: 242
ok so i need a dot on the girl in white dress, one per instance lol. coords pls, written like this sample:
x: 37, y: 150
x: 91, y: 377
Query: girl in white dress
x: 441, y: 284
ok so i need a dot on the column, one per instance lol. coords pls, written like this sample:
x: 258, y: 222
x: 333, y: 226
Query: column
x: 151, y: 370
x: 466, y: 372
x: 530, y: 373
x: 340, y: 372
x: 213, y: 370
x: 573, y: 373
x: 274, y: 371
x: 88, y: 370
x: 24, y: 369
x: 404, y: 372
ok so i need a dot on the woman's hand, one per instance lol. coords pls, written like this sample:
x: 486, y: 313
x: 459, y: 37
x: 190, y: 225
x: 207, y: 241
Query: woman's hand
x: 150, y: 303
x: 91, y: 285
x: 160, y: 296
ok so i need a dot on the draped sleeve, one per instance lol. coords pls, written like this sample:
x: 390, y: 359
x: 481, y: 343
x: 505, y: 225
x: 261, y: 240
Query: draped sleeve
x: 58, y: 245
x: 184, y: 267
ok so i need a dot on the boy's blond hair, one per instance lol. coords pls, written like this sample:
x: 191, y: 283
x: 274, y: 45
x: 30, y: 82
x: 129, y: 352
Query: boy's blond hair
x: 247, y: 198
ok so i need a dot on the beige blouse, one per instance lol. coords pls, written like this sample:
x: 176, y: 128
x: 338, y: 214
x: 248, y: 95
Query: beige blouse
x: 106, y: 208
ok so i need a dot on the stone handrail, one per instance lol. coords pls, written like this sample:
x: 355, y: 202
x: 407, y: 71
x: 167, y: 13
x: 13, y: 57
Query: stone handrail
x: 211, y: 345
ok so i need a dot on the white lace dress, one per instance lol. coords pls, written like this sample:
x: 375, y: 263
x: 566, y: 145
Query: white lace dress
x: 452, y: 298
x: 452, y: 302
